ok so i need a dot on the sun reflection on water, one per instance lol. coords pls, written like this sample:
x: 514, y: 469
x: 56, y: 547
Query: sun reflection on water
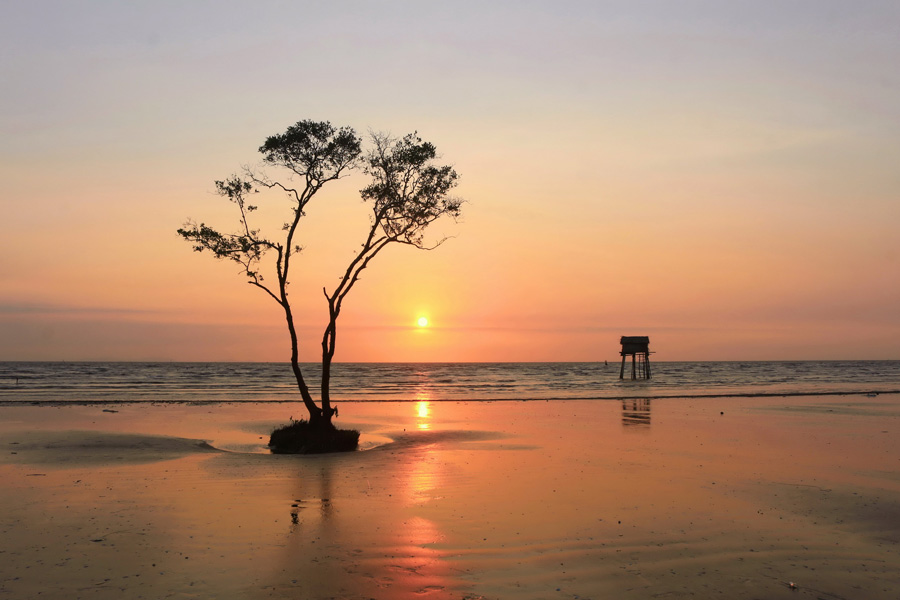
x: 423, y: 411
x: 423, y: 480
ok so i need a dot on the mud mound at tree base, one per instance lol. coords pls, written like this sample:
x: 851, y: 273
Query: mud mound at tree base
x: 302, y: 438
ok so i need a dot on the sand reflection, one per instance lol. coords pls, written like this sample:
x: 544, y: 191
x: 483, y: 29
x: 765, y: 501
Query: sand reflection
x: 731, y: 497
x: 636, y: 413
x: 361, y: 521
x: 418, y: 564
x: 422, y: 477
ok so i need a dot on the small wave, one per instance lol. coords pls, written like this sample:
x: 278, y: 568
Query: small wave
x: 74, y: 448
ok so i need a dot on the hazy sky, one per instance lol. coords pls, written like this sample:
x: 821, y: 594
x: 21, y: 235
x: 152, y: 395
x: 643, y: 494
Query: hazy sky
x: 721, y: 176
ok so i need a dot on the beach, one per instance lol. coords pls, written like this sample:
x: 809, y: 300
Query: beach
x: 772, y: 497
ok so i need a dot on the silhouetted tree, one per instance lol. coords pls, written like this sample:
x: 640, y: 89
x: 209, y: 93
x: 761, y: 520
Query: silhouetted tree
x: 406, y: 194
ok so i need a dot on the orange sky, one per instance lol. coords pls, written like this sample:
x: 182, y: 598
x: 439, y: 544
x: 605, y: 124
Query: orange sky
x: 719, y: 176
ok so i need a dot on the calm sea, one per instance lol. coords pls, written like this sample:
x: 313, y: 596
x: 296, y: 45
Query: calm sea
x: 58, y: 382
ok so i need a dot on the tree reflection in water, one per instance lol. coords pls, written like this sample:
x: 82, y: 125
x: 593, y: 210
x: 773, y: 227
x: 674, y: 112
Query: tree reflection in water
x: 322, y: 500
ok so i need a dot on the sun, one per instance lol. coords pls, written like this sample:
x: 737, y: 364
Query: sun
x: 422, y: 322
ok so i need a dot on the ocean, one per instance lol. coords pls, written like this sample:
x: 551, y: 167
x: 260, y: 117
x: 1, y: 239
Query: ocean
x: 129, y: 382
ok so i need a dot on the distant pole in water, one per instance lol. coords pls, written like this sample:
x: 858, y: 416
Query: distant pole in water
x: 638, y: 348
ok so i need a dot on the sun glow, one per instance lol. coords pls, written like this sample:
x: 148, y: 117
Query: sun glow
x: 422, y: 322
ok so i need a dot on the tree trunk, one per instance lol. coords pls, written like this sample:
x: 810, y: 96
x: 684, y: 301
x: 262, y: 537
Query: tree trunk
x: 327, y: 355
x: 315, y: 414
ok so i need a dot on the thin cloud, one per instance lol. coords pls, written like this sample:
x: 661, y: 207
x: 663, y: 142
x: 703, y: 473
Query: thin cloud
x: 41, y: 308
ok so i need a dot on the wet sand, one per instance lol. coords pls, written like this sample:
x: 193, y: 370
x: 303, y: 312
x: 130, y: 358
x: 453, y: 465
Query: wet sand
x: 707, y: 498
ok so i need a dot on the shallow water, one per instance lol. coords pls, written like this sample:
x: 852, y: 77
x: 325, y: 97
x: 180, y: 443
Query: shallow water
x: 435, y: 382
